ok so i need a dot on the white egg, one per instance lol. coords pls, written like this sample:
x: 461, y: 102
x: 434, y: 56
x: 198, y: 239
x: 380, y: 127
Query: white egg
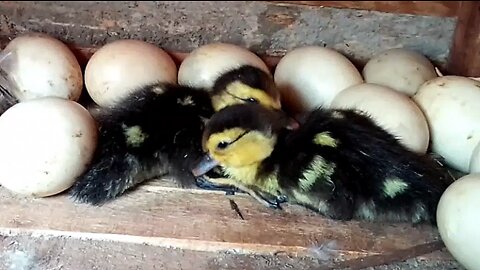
x: 46, y: 143
x: 39, y: 65
x: 475, y: 160
x: 123, y: 66
x: 451, y: 106
x: 400, y: 69
x: 392, y: 110
x: 312, y: 76
x: 206, y: 63
x: 458, y: 217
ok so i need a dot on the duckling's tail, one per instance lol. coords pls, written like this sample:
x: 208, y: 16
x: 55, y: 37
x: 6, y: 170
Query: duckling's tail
x: 110, y: 177
x: 105, y: 180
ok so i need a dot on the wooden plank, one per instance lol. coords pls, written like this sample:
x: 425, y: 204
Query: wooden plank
x: 263, y: 27
x: 58, y: 253
x: 160, y: 215
x: 465, y: 56
x: 429, y: 8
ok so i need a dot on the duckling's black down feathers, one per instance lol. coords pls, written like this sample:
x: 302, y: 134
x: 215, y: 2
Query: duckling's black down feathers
x: 376, y: 177
x: 155, y: 131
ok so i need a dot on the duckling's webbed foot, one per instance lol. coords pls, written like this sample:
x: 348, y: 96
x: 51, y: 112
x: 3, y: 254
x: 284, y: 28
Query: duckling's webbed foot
x: 266, y: 199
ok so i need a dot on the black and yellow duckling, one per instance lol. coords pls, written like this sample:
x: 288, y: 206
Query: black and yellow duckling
x: 157, y: 131
x: 339, y: 163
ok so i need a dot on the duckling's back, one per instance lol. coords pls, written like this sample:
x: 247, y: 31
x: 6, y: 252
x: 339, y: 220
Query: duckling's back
x: 155, y: 131
x: 369, y: 167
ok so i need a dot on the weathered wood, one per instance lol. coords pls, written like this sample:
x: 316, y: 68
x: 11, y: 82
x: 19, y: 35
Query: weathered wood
x: 430, y: 8
x: 160, y: 215
x: 43, y: 252
x: 465, y: 57
x: 263, y: 27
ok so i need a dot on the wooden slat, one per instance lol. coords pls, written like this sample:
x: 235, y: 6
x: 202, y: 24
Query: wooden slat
x: 432, y: 8
x: 263, y: 27
x: 465, y: 56
x: 57, y: 253
x: 160, y: 215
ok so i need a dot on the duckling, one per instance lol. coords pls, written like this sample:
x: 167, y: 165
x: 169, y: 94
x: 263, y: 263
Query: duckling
x: 339, y: 163
x: 156, y: 131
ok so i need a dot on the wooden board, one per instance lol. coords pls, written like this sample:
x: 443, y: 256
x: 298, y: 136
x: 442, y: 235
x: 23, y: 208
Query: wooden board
x: 67, y: 253
x: 465, y: 57
x: 263, y: 27
x: 197, y: 220
x: 430, y: 8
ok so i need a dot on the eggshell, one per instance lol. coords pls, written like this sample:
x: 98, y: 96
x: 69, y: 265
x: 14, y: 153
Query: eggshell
x: 451, y: 106
x: 205, y: 64
x: 475, y: 160
x: 392, y: 110
x: 39, y: 65
x: 401, y: 69
x: 312, y: 76
x: 458, y: 216
x: 123, y: 66
x: 46, y: 143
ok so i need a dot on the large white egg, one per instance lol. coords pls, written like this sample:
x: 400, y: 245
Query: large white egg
x: 458, y: 219
x: 451, y: 105
x: 475, y: 160
x: 46, y: 143
x: 312, y: 76
x: 205, y: 64
x: 39, y: 65
x: 392, y: 110
x: 123, y: 66
x: 400, y: 69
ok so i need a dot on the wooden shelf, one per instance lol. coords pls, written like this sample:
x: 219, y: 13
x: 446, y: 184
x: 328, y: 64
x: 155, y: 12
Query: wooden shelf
x: 161, y: 216
x: 465, y: 56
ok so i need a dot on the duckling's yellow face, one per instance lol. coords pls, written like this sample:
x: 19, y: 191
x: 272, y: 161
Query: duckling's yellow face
x: 237, y: 147
x: 238, y: 93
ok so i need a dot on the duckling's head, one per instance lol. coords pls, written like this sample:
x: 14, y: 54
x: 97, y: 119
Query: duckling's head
x: 246, y: 84
x: 241, y: 135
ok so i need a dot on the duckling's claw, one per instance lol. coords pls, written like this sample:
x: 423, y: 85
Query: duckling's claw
x: 267, y: 199
x: 204, y: 182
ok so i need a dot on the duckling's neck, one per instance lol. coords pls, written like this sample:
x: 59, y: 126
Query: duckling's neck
x: 249, y: 176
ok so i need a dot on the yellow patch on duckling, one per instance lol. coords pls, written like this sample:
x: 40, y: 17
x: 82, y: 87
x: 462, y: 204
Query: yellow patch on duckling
x: 236, y: 91
x: 318, y: 169
x: 394, y: 186
x: 248, y: 176
x: 270, y: 183
x: 302, y: 198
x: 325, y: 139
x: 245, y: 148
x: 134, y: 135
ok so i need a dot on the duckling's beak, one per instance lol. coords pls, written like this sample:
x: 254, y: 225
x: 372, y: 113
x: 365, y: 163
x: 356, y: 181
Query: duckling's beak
x: 205, y: 165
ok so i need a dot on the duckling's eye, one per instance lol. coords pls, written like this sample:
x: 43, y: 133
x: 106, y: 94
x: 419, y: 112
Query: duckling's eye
x: 252, y: 100
x: 222, y: 145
